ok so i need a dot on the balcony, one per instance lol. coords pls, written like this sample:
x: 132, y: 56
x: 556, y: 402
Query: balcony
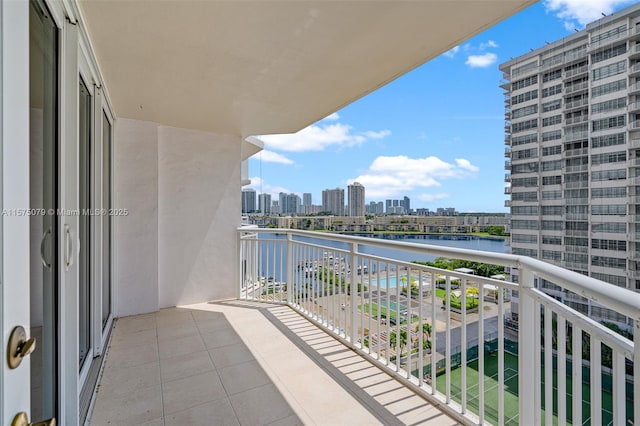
x: 576, y: 71
x: 634, y: 89
x: 634, y: 51
x: 576, y: 120
x: 576, y: 104
x: 323, y: 333
x: 576, y: 87
x: 634, y: 69
x: 322, y: 286
x: 241, y: 363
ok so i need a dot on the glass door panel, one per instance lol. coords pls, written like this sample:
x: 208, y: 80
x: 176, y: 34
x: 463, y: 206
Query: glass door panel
x: 84, y: 256
x: 43, y: 199
x: 106, y: 220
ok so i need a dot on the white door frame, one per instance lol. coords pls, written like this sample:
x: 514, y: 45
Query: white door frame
x: 14, y: 122
x: 68, y: 225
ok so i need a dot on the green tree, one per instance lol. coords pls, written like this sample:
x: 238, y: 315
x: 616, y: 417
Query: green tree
x: 393, y: 340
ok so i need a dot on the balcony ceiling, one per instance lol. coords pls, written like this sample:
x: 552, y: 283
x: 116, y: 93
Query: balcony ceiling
x: 259, y: 67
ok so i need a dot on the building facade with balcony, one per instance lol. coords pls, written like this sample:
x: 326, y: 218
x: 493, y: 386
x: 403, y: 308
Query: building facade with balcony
x: 572, y: 139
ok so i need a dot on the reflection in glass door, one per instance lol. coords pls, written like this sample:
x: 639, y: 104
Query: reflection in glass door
x: 106, y: 220
x: 43, y: 198
x: 84, y: 257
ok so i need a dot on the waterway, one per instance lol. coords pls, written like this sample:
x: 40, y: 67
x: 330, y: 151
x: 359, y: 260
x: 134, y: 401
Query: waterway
x: 270, y: 256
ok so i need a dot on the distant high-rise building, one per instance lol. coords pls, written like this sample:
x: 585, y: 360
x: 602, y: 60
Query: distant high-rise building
x: 406, y: 203
x: 398, y: 206
x: 248, y: 200
x: 306, y: 199
x: 264, y: 203
x: 289, y: 203
x: 447, y: 211
x: 375, y: 207
x: 355, y: 200
x: 572, y: 148
x: 333, y: 201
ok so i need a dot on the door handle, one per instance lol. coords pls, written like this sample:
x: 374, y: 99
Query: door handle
x: 68, y: 252
x: 19, y: 347
x: 22, y: 419
x: 42, y: 255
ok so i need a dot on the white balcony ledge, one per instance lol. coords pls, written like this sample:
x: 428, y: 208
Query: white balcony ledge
x: 244, y: 363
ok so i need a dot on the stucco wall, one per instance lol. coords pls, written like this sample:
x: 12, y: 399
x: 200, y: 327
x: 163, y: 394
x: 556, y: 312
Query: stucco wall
x: 136, y: 173
x: 182, y: 190
x: 199, y: 209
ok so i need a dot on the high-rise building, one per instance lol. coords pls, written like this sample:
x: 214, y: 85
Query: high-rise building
x: 264, y: 203
x: 398, y: 206
x: 248, y: 200
x: 306, y: 199
x: 333, y: 201
x: 406, y: 203
x: 573, y: 155
x: 355, y: 199
x: 289, y: 203
x: 375, y: 207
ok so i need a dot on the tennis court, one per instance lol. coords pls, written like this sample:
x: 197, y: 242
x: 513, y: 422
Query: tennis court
x: 511, y: 391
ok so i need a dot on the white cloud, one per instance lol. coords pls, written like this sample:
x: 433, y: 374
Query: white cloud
x: 452, y: 52
x: 582, y: 12
x: 432, y: 197
x: 377, y: 135
x: 319, y: 137
x: 390, y: 176
x: 481, y: 61
x: 274, y: 157
x: 332, y: 117
x: 466, y: 164
x: 488, y: 44
x: 264, y: 188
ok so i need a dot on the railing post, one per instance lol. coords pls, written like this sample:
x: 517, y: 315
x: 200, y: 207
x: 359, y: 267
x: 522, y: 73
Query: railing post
x: 289, y: 269
x: 526, y: 347
x: 354, y: 290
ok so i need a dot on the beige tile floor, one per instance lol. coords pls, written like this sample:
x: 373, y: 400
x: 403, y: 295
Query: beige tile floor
x: 237, y: 363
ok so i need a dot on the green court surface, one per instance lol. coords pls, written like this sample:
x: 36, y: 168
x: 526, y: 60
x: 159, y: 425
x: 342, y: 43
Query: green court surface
x: 511, y: 392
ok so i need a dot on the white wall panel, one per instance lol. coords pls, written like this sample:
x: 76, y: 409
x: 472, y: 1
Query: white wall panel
x: 199, y: 209
x: 136, y: 171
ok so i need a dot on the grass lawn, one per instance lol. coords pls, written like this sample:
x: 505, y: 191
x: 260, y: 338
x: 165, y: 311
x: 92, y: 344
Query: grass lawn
x: 373, y: 308
x: 472, y: 302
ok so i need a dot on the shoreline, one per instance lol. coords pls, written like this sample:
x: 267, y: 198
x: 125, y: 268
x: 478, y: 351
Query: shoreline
x: 452, y: 234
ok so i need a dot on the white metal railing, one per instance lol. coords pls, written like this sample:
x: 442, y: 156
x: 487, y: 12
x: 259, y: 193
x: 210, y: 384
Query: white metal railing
x: 575, y: 87
x: 410, y: 319
x: 576, y: 104
x: 579, y: 119
x: 575, y: 71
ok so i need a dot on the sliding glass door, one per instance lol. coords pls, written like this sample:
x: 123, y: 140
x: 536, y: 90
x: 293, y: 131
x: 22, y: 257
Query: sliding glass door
x: 43, y: 207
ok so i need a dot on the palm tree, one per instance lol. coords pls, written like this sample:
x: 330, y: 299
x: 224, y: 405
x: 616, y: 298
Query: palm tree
x: 426, y: 334
x: 393, y: 340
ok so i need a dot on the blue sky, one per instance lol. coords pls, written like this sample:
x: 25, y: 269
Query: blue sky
x: 435, y: 134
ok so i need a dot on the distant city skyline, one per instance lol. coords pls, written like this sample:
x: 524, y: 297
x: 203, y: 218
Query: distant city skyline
x: 333, y: 202
x: 435, y: 135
